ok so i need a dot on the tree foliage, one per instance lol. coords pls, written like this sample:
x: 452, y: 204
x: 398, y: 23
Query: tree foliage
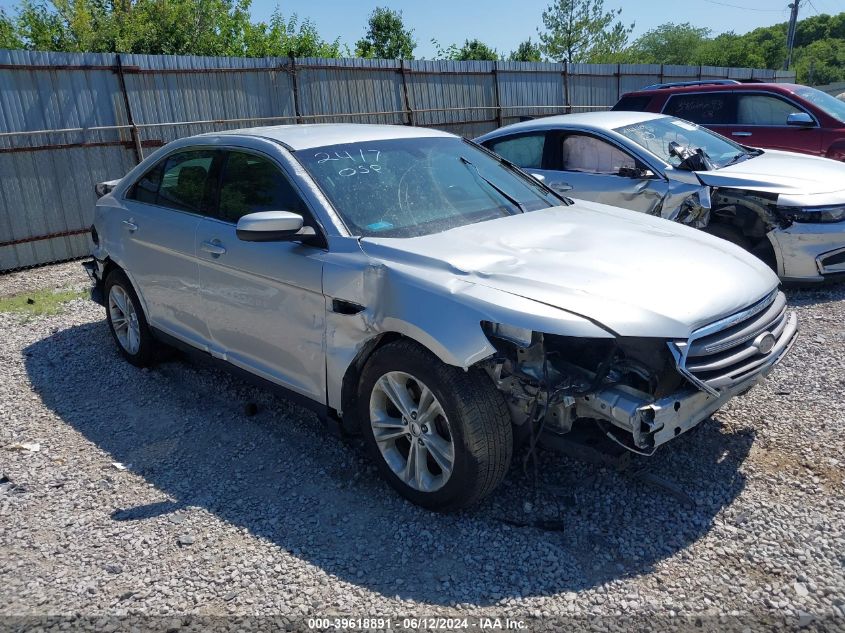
x: 386, y: 37
x: 9, y: 32
x: 527, y: 51
x: 475, y: 49
x: 161, y: 27
x: 667, y: 44
x: 289, y: 38
x: 582, y: 31
x: 819, y: 55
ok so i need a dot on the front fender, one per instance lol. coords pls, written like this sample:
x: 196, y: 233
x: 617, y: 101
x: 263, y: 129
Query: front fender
x: 440, y: 312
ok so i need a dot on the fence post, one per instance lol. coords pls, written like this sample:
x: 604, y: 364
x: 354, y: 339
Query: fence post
x: 566, y: 88
x: 499, y: 120
x: 133, y: 130
x: 662, y: 75
x: 618, y: 81
x: 408, y: 109
x: 295, y: 82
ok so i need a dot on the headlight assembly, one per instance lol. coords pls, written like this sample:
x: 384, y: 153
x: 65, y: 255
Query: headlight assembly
x: 814, y: 214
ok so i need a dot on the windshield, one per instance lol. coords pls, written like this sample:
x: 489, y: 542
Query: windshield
x: 830, y: 104
x: 656, y: 135
x: 417, y: 186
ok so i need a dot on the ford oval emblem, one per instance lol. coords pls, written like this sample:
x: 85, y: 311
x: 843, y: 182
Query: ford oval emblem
x: 765, y: 342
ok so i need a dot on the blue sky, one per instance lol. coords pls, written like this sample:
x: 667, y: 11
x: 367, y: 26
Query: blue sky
x: 503, y: 24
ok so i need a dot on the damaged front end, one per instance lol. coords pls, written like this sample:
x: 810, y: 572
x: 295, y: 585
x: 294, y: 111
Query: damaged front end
x: 550, y: 381
x: 639, y: 391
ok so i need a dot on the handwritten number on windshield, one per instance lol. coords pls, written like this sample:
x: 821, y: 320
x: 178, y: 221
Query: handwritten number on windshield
x: 322, y: 157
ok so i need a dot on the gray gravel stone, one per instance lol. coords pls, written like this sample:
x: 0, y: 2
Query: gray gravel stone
x: 275, y: 515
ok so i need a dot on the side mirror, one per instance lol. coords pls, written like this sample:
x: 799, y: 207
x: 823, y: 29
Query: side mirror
x: 801, y: 119
x: 560, y: 187
x: 269, y: 226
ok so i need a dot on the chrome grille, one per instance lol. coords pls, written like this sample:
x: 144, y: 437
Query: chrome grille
x: 738, y: 347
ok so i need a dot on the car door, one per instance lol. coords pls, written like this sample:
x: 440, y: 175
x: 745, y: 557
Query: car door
x: 761, y: 121
x: 262, y: 301
x: 163, y: 211
x: 601, y: 171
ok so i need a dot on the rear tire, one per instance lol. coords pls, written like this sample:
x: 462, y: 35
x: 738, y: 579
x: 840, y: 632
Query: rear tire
x: 444, y: 434
x: 127, y: 322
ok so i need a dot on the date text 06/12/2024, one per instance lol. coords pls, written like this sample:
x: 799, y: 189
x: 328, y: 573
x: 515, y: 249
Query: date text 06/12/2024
x: 445, y: 624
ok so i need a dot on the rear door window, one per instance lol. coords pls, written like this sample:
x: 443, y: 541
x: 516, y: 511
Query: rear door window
x: 525, y: 150
x: 183, y: 181
x: 715, y: 108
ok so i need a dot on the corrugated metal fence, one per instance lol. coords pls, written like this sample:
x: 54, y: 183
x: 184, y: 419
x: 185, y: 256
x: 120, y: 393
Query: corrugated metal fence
x: 69, y: 120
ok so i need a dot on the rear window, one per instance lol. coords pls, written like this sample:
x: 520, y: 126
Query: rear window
x: 704, y: 109
x: 632, y: 103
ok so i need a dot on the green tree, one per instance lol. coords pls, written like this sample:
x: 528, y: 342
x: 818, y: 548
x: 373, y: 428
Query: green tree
x: 527, y: 51
x: 821, y: 62
x: 288, y: 38
x: 9, y: 32
x: 475, y: 49
x: 386, y: 37
x: 582, y: 31
x: 163, y: 27
x: 667, y: 44
x: 729, y: 50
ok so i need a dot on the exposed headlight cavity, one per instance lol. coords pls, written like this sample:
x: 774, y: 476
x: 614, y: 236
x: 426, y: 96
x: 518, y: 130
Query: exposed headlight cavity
x: 520, y: 336
x: 814, y: 214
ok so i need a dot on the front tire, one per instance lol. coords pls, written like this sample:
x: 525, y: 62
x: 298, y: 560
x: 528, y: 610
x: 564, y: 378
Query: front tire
x: 441, y: 436
x: 127, y: 322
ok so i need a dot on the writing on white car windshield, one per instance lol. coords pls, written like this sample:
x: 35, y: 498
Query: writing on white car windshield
x: 417, y: 186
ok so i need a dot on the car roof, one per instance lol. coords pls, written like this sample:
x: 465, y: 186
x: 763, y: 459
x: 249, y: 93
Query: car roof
x: 306, y: 136
x: 705, y: 87
x: 595, y: 121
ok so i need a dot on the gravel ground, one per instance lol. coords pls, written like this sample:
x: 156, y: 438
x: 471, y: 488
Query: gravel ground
x: 155, y: 493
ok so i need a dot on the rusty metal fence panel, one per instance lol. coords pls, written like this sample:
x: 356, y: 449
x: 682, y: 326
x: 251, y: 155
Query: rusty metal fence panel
x: 68, y: 121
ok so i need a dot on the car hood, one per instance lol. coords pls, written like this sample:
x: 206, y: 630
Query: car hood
x: 634, y: 274
x: 781, y: 172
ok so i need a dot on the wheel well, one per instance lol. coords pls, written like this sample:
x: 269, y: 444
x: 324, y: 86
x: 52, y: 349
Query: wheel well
x: 751, y: 226
x: 349, y: 386
x: 108, y: 267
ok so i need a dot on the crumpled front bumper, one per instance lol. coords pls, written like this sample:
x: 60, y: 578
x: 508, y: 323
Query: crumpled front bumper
x: 654, y: 423
x: 810, y: 252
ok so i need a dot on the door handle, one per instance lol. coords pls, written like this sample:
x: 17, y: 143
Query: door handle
x: 740, y: 133
x: 215, y: 248
x: 130, y: 225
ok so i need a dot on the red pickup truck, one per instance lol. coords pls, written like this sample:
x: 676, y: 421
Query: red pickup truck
x: 777, y: 116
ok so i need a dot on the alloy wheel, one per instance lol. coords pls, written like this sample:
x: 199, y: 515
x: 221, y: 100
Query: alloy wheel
x: 412, y: 431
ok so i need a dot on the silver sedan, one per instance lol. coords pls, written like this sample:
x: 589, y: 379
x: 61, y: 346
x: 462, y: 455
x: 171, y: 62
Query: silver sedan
x: 786, y: 208
x: 412, y: 287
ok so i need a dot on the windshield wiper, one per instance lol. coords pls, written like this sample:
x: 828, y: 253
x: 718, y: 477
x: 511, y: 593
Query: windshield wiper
x: 501, y: 191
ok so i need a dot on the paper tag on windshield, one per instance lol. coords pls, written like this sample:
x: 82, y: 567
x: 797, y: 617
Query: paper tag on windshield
x: 683, y: 124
